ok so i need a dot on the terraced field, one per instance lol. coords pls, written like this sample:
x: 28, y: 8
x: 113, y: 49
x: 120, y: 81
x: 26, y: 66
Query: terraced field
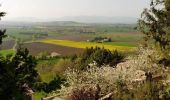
x: 83, y: 44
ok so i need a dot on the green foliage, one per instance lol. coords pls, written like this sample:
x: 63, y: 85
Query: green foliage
x: 15, y: 73
x: 148, y: 90
x: 63, y: 65
x: 155, y: 25
x: 52, y: 85
x: 45, y: 69
x: 2, y: 32
x: 39, y: 95
x: 2, y: 35
x: 122, y: 92
x: 101, y: 39
x: 5, y: 53
x: 167, y: 5
x: 43, y: 55
x: 25, y: 65
x: 101, y: 56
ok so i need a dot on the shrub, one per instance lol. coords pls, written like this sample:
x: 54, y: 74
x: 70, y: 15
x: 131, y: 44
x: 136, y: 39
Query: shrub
x: 53, y: 85
x: 103, y: 77
x: 122, y: 92
x: 126, y: 81
x: 101, y: 56
x: 87, y: 92
x: 63, y: 65
x: 43, y: 56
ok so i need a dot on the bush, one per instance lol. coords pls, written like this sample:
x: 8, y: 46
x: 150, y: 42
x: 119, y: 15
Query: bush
x: 43, y: 56
x: 86, y: 92
x: 126, y: 81
x: 53, y: 85
x: 103, y: 77
x: 101, y: 56
x: 63, y: 65
x: 107, y: 80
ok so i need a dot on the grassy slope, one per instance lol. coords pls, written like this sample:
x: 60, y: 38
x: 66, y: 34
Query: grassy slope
x: 39, y: 95
x: 7, y: 52
x: 44, y: 68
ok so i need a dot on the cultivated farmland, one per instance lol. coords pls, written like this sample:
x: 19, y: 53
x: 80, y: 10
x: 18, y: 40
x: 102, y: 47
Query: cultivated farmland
x: 84, y: 45
x: 36, y: 48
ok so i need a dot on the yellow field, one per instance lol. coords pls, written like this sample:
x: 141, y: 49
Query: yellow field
x: 83, y: 45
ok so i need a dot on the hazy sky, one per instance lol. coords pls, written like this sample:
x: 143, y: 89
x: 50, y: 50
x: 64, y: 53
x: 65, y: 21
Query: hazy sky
x: 61, y: 8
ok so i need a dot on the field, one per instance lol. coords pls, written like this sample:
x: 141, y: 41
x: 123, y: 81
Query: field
x: 70, y: 31
x: 4, y: 53
x: 36, y: 48
x: 7, y: 45
x: 65, y: 47
x: 127, y: 44
x: 68, y: 38
x: 84, y: 45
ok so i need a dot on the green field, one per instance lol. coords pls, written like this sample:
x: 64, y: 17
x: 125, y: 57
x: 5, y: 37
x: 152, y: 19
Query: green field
x: 128, y: 44
x: 4, y: 53
x: 27, y: 31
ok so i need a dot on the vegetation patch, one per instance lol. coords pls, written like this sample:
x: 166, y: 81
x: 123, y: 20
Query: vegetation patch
x: 4, y: 53
x: 45, y: 67
x: 128, y: 44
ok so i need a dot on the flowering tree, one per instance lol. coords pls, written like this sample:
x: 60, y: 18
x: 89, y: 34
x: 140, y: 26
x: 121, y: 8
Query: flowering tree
x: 155, y: 25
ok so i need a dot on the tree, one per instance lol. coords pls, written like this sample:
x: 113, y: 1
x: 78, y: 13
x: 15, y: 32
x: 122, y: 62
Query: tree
x: 17, y: 73
x: 18, y: 76
x: 101, y: 56
x: 2, y: 32
x: 155, y: 25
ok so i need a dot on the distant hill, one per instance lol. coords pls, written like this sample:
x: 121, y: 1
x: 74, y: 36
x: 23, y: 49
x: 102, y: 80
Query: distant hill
x: 100, y: 19
x: 61, y: 23
x: 80, y: 19
x: 6, y: 24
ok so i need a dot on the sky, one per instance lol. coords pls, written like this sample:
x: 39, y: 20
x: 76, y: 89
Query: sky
x: 47, y: 9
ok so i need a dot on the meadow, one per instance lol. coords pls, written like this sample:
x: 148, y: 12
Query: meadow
x: 46, y: 66
x: 4, y: 53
